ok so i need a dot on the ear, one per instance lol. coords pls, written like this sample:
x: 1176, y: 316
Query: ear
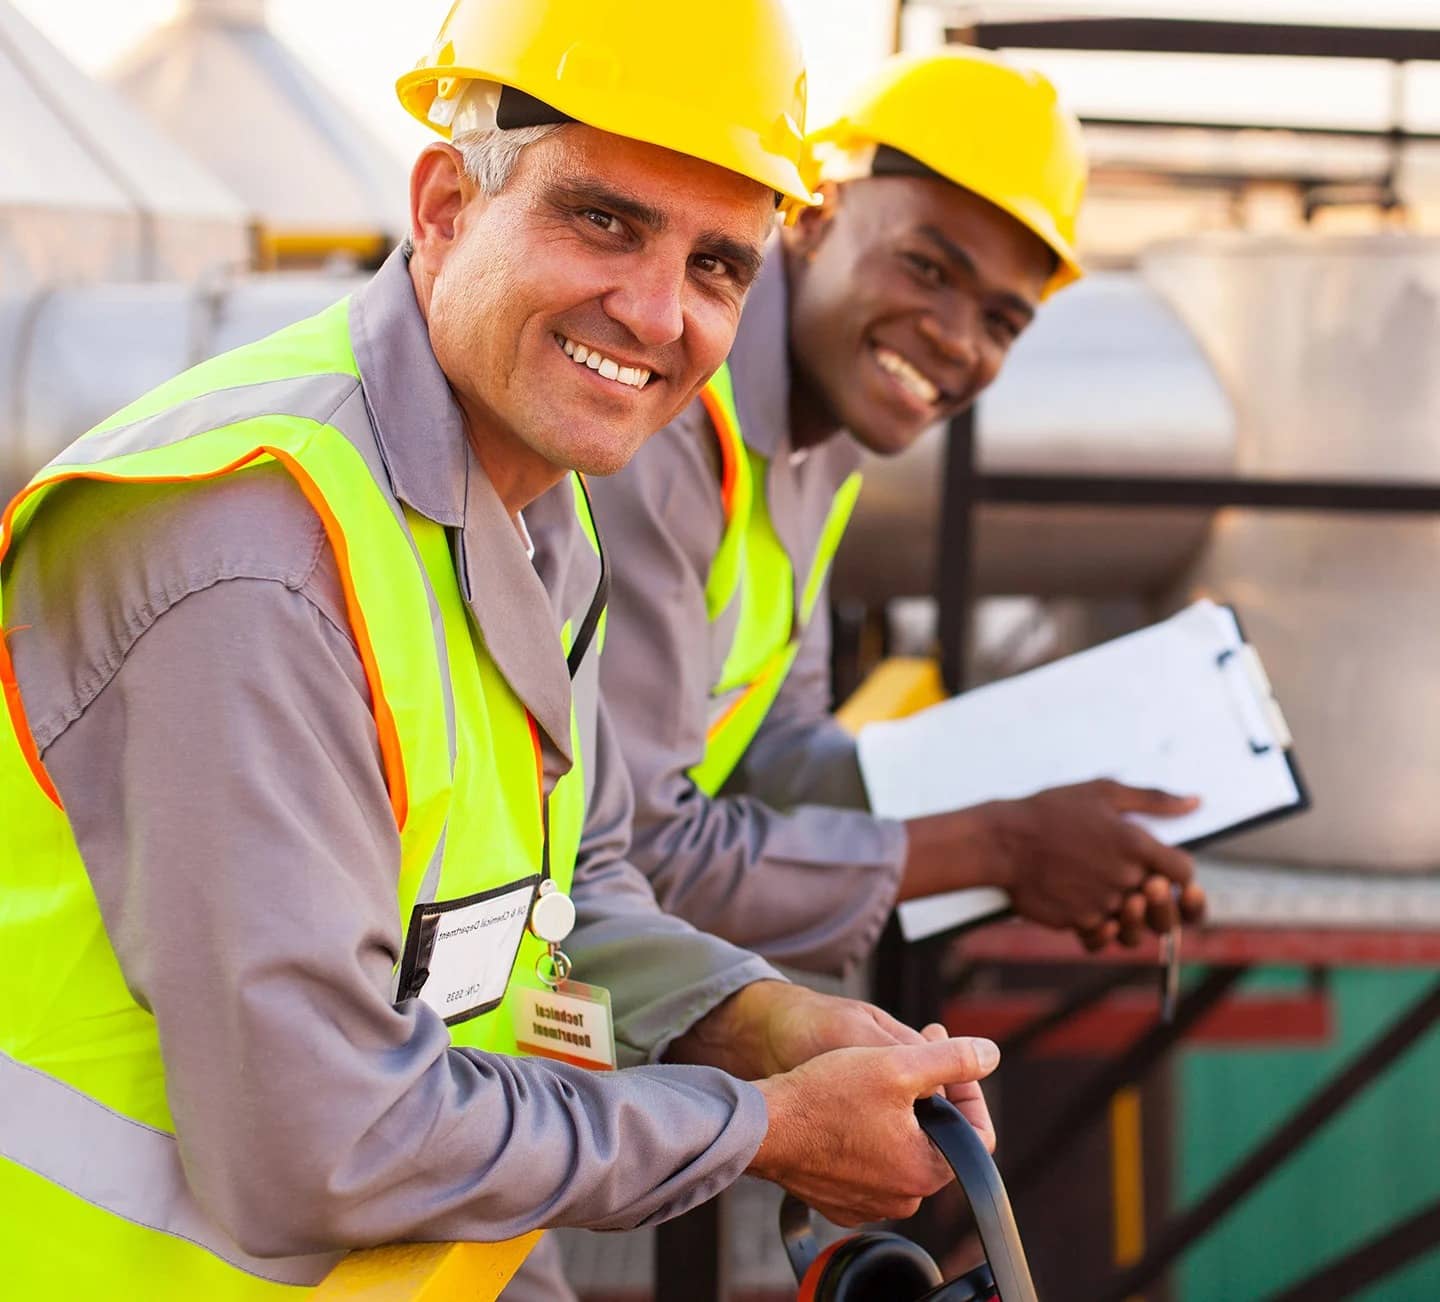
x: 807, y: 233
x: 439, y: 190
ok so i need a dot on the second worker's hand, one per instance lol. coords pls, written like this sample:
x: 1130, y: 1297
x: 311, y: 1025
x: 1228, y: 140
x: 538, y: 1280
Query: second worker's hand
x: 1077, y: 859
x: 842, y: 1133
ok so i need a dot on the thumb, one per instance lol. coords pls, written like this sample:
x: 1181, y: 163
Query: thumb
x: 926, y: 1068
x: 1152, y: 800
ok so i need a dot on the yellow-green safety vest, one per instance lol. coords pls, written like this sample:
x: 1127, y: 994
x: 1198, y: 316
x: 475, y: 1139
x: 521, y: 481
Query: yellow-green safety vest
x: 752, y: 567
x: 93, y: 1198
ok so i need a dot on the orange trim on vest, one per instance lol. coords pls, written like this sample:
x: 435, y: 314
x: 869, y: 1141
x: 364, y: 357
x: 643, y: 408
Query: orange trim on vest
x: 728, y: 437
x: 738, y: 703
x: 390, y: 753
x: 539, y: 757
x: 811, y: 1283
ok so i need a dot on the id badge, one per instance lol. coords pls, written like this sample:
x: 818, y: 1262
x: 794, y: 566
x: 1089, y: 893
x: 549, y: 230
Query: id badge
x: 459, y: 953
x: 570, y: 1023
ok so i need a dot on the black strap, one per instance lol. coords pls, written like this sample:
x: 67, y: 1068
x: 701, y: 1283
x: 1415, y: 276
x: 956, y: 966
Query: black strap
x: 889, y: 161
x: 797, y: 1233
x: 517, y: 109
x: 586, y: 632
x: 962, y: 1148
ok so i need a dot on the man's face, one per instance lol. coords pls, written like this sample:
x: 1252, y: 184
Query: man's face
x: 581, y: 308
x: 905, y: 299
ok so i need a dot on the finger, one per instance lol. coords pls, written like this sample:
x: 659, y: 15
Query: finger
x: 926, y: 1068
x: 894, y: 1027
x: 1164, y: 860
x: 1162, y: 913
x: 1099, y: 937
x: 1192, y: 902
x: 935, y: 1031
x: 1150, y: 800
x: 1132, y: 920
x: 969, y: 1099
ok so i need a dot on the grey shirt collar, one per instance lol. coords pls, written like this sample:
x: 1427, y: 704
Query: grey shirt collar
x: 434, y: 471
x: 797, y: 489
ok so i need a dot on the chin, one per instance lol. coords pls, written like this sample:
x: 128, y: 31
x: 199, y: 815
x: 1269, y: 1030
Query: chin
x: 886, y: 438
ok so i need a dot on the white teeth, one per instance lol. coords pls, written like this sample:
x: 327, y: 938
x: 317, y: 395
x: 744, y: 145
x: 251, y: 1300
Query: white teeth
x: 636, y: 377
x: 893, y: 364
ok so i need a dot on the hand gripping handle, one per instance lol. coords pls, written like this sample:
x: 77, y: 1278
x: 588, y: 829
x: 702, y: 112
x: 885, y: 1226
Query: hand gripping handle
x: 962, y: 1148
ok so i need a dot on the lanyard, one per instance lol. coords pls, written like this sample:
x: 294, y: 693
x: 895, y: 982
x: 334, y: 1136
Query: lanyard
x: 584, y: 636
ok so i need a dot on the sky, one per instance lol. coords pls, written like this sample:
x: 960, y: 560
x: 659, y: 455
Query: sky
x: 359, y: 47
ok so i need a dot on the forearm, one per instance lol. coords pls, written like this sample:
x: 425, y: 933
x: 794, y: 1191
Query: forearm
x: 735, y: 1036
x: 957, y: 850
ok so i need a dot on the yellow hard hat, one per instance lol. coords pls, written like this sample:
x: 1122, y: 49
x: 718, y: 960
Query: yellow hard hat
x: 985, y: 124
x: 646, y: 69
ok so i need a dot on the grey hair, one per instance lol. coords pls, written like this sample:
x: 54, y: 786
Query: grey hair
x: 491, y: 156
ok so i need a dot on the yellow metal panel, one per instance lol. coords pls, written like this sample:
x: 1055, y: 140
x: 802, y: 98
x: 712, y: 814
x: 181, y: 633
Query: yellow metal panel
x: 894, y: 688
x: 427, y: 1272
x: 1127, y: 1176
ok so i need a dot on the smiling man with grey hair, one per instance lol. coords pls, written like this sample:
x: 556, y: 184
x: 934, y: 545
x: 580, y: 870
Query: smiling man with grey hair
x: 312, y: 845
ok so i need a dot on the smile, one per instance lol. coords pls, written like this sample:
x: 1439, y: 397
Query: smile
x: 906, y: 375
x: 636, y: 377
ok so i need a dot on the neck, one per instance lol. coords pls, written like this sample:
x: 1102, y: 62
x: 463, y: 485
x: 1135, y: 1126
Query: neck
x: 517, y: 474
x: 811, y: 419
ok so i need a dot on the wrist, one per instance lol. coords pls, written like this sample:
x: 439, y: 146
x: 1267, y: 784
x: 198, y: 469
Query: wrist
x: 733, y: 1034
x: 964, y: 848
x: 773, y: 1156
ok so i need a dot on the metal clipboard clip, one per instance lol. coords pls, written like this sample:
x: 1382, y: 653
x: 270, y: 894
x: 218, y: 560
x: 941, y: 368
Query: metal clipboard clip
x: 1254, y: 699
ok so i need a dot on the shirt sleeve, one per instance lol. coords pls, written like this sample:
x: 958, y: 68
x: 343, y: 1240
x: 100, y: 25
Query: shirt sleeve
x: 810, y: 885
x: 663, y: 975
x: 223, y: 780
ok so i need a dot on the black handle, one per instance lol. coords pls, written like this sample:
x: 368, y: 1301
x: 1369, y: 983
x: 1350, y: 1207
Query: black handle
x: 962, y: 1148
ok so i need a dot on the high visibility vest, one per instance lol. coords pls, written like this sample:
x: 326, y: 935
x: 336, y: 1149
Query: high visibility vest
x: 93, y: 1197
x: 752, y: 568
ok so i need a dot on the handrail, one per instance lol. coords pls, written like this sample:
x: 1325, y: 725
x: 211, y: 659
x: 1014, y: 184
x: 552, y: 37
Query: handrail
x: 427, y: 1272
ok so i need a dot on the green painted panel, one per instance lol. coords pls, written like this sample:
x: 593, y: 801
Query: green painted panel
x: 1377, y: 1162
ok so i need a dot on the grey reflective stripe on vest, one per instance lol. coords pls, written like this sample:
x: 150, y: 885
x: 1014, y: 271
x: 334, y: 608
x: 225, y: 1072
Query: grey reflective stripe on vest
x: 324, y: 398
x: 121, y: 1166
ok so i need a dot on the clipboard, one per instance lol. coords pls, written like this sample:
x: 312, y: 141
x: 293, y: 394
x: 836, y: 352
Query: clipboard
x: 1184, y: 704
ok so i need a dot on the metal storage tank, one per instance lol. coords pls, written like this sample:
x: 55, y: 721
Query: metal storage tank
x: 1328, y: 347
x: 89, y: 188
x: 71, y: 357
x: 318, y: 182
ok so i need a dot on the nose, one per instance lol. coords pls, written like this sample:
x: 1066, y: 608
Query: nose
x: 953, y: 330
x: 650, y: 302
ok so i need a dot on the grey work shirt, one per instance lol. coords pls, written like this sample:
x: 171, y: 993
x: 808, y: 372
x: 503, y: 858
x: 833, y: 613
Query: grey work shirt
x: 786, y: 859
x: 190, y: 676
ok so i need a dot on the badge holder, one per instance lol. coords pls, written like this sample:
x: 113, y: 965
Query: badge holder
x: 564, y: 1020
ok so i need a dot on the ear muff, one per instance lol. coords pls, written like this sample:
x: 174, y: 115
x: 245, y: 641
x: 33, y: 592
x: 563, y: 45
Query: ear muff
x: 872, y: 1267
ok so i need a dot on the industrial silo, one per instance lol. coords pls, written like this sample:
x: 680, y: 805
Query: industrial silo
x: 88, y: 187
x: 221, y: 84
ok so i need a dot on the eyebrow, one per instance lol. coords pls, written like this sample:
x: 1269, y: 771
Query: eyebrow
x: 963, y: 260
x: 745, y: 256
x: 588, y: 191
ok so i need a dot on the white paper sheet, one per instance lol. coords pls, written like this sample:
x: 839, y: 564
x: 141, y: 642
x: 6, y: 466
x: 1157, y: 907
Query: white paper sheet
x: 1157, y: 708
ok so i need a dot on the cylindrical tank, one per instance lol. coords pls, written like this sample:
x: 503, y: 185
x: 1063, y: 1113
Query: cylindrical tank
x: 1328, y: 347
x: 71, y: 357
x: 1107, y: 380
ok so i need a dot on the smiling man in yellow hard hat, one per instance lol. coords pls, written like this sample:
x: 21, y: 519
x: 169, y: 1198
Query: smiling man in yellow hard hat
x: 314, y: 907
x: 953, y: 182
